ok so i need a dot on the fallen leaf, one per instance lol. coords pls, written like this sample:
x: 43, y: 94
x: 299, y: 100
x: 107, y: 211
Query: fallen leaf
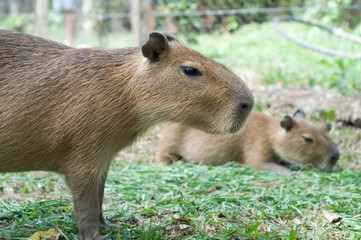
x: 297, y: 220
x: 264, y: 228
x: 180, y: 219
x: 51, y: 234
x: 183, y: 226
x: 331, y: 217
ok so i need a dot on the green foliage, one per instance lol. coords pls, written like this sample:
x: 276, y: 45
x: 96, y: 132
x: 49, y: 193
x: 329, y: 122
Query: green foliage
x: 339, y: 72
x: 293, y: 234
x: 330, y: 12
x: 22, y: 22
x: 197, y: 24
x: 328, y: 115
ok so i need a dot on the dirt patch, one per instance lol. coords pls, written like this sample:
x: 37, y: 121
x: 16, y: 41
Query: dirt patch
x: 276, y: 100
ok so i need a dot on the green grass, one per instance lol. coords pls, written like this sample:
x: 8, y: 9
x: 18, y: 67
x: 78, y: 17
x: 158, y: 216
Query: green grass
x: 224, y: 202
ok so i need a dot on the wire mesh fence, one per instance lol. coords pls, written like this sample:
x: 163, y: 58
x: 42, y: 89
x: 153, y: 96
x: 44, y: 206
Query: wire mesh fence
x: 180, y: 16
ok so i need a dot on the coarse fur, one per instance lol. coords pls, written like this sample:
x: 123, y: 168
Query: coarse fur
x: 71, y: 110
x: 264, y: 142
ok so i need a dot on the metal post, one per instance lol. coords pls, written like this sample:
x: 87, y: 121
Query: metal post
x: 140, y: 15
x: 41, y: 12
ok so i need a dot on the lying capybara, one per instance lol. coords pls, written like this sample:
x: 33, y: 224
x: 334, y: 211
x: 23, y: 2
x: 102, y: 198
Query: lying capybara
x: 264, y: 142
x: 71, y: 110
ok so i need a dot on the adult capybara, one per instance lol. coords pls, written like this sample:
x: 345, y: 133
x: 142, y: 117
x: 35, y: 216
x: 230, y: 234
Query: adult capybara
x: 71, y: 110
x: 264, y: 142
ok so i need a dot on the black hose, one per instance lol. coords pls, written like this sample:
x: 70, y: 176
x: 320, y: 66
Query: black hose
x: 323, y: 50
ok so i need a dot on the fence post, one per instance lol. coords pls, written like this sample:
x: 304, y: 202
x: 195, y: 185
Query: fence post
x: 140, y: 16
x: 41, y: 13
x: 87, y: 23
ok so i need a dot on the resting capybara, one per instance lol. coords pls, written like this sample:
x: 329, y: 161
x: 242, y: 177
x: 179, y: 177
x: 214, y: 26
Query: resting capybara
x: 71, y: 110
x: 264, y: 142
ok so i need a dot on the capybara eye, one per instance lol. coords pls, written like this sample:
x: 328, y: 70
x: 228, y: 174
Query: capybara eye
x: 307, y: 139
x: 191, y: 71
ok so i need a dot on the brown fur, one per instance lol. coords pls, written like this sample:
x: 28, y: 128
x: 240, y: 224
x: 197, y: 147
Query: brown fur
x: 264, y: 143
x: 71, y: 110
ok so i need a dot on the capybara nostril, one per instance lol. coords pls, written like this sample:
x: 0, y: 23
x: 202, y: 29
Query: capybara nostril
x: 245, y: 107
x: 335, y: 157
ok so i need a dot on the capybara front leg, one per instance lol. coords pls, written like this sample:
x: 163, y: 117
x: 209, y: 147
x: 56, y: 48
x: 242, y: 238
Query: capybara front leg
x: 84, y: 187
x: 101, y: 197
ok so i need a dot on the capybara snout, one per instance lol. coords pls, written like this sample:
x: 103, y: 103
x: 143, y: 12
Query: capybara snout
x: 334, y: 158
x: 328, y: 162
x: 242, y: 111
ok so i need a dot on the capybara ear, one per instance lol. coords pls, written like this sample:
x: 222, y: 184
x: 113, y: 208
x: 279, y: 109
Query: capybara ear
x: 287, y: 123
x: 170, y: 37
x: 299, y: 113
x: 156, y: 45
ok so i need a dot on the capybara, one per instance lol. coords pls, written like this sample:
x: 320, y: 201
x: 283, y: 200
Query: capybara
x: 265, y: 142
x: 71, y: 110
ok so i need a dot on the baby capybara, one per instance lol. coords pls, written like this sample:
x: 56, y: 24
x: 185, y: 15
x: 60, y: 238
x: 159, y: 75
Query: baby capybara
x: 265, y: 142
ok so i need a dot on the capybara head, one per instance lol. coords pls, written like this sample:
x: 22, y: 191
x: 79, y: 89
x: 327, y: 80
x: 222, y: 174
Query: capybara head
x: 300, y: 141
x: 182, y: 85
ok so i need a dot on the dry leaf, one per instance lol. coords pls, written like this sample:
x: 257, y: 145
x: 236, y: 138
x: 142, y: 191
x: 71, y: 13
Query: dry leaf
x: 264, y: 228
x: 297, y: 220
x: 180, y: 219
x: 183, y: 226
x: 51, y: 234
x: 331, y: 217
